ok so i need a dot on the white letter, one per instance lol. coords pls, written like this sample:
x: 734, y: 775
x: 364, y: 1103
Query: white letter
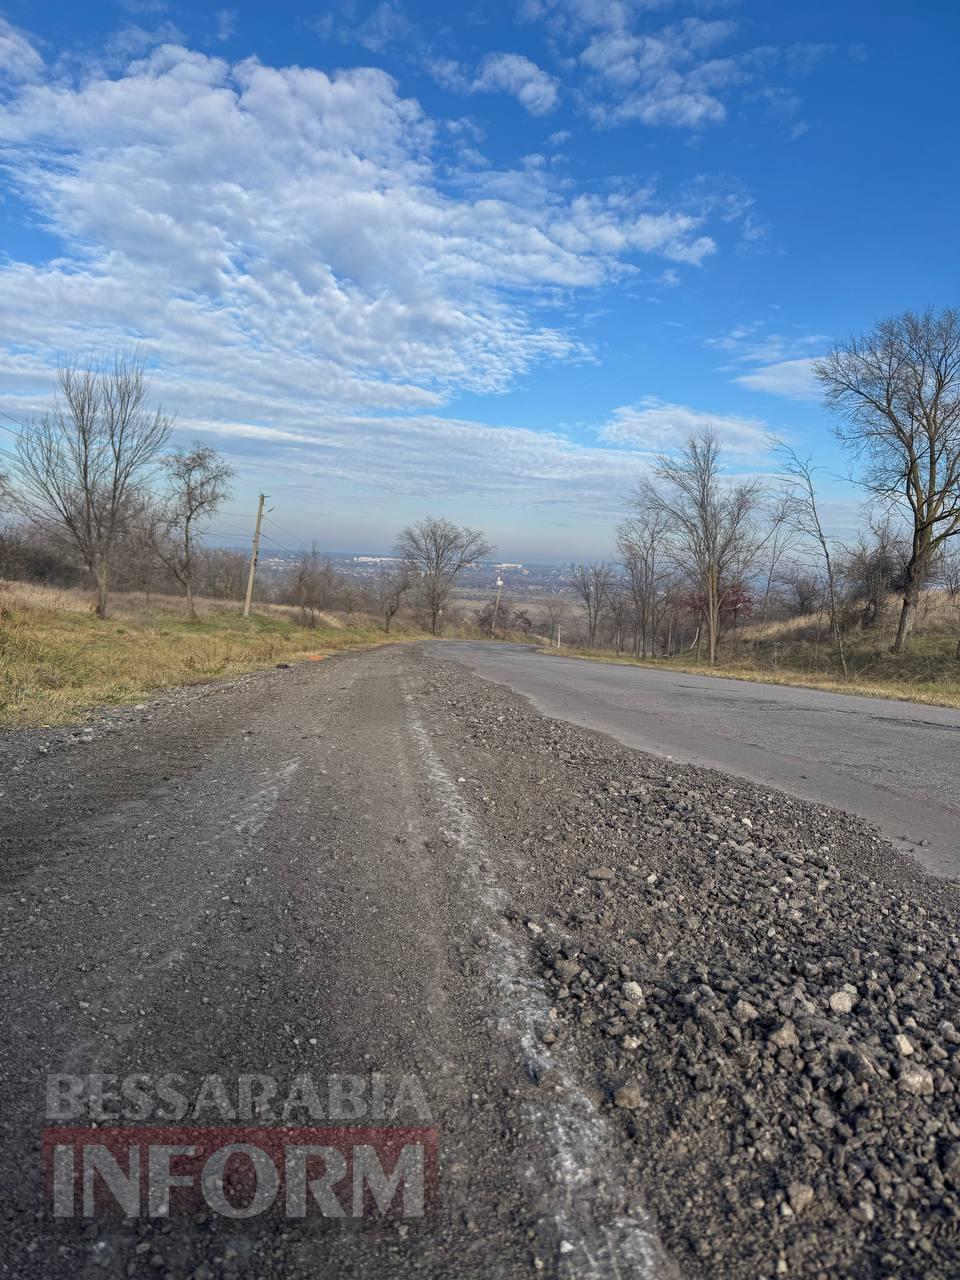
x: 265, y: 1191
x: 409, y: 1166
x: 259, y: 1102
x: 410, y: 1094
x: 303, y: 1096
x: 213, y: 1094
x: 346, y: 1097
x: 161, y: 1179
x: 63, y: 1174
x: 63, y: 1097
x: 124, y: 1187
x: 334, y: 1170
x: 178, y: 1103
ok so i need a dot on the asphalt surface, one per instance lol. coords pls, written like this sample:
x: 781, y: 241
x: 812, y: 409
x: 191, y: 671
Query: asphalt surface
x: 897, y: 764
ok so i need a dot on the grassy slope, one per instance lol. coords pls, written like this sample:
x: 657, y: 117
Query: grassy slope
x: 928, y: 672
x: 57, y: 660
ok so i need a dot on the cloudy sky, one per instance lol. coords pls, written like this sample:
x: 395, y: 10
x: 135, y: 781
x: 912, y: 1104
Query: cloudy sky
x: 481, y: 261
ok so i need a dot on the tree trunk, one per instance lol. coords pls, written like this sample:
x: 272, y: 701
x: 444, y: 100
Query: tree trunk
x: 191, y: 610
x: 906, y: 618
x: 102, y: 591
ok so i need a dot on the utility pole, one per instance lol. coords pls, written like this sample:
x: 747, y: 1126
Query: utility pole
x: 496, y: 609
x: 253, y: 557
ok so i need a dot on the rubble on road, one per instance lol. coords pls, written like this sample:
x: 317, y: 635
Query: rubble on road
x: 762, y: 991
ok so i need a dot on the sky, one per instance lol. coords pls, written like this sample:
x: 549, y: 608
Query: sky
x: 397, y: 259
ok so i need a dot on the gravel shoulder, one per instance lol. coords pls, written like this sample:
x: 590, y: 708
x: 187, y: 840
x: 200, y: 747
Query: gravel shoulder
x: 668, y: 1023
x: 761, y: 990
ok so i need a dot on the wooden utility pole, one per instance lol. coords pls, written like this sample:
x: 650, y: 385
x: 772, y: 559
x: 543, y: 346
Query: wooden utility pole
x: 253, y: 557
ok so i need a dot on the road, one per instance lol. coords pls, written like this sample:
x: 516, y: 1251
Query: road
x: 273, y: 876
x: 369, y: 877
x: 896, y: 764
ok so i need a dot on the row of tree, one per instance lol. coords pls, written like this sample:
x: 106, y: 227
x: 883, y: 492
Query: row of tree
x: 98, y: 492
x: 701, y: 543
x: 96, y: 486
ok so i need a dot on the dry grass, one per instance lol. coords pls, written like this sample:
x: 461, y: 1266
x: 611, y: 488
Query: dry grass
x: 57, y: 660
x: 798, y: 652
x: 937, y: 692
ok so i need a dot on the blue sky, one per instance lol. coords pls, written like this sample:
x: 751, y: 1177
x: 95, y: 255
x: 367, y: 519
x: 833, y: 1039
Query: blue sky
x: 398, y: 259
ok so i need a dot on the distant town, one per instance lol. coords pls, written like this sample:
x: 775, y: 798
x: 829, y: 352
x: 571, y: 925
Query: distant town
x: 518, y: 578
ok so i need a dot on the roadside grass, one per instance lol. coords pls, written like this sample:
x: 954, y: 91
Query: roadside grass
x: 58, y: 661
x: 927, y: 673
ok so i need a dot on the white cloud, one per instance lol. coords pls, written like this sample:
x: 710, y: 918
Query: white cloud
x: 19, y: 60
x: 301, y: 265
x: 511, y: 73
x: 666, y: 76
x: 653, y: 426
x: 782, y: 363
x: 387, y: 25
x: 226, y: 23
x: 791, y: 378
x: 533, y: 88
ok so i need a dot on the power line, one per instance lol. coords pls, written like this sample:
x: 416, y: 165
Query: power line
x: 286, y: 533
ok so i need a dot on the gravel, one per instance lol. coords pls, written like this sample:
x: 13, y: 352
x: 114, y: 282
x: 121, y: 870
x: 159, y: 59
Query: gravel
x: 758, y: 994
x: 761, y: 992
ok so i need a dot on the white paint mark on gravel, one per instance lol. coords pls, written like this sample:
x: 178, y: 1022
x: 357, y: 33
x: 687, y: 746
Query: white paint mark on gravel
x: 572, y: 1131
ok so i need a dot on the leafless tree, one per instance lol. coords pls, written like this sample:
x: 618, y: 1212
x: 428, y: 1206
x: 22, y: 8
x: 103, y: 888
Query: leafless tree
x: 804, y: 515
x: 391, y: 586
x: 709, y: 522
x: 81, y: 465
x: 949, y: 575
x: 437, y: 552
x: 641, y: 541
x: 221, y: 573
x: 782, y: 537
x: 874, y: 566
x: 313, y: 587
x: 805, y: 587
x: 592, y: 583
x: 555, y: 609
x: 897, y: 391
x: 199, y: 483
x: 619, y: 611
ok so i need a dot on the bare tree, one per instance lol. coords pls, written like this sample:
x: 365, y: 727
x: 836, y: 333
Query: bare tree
x: 592, y: 583
x: 619, y: 610
x: 555, y: 609
x: 804, y: 514
x: 898, y: 393
x: 805, y: 586
x: 221, y: 572
x: 391, y: 586
x: 313, y: 587
x: 199, y: 483
x: 873, y: 567
x: 782, y: 536
x: 81, y: 465
x: 709, y: 520
x: 949, y: 574
x: 437, y: 552
x: 641, y: 542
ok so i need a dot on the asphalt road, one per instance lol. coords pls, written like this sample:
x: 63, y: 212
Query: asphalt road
x: 896, y: 764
